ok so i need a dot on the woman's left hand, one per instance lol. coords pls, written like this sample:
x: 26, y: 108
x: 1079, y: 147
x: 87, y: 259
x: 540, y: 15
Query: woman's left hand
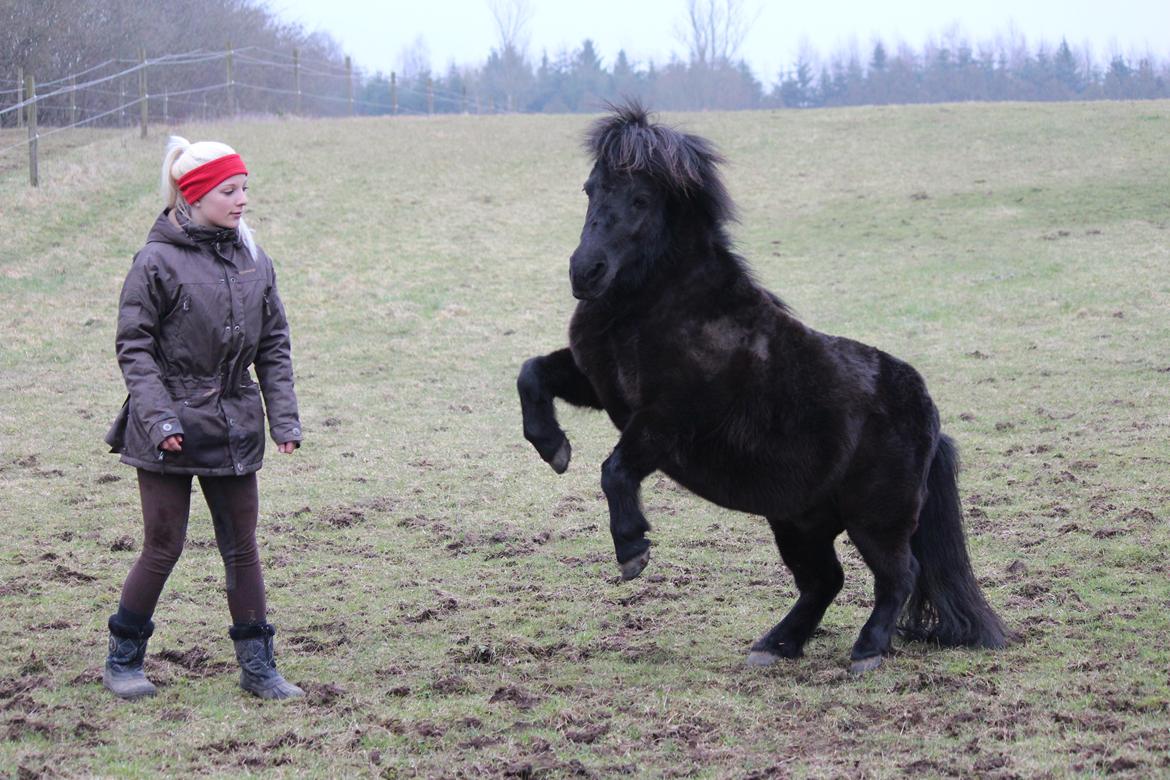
x: 288, y: 446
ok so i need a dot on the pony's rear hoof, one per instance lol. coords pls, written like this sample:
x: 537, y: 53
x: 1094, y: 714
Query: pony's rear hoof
x: 633, y: 567
x: 761, y: 658
x: 560, y: 461
x: 865, y: 665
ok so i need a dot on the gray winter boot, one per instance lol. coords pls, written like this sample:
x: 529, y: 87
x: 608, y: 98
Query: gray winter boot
x: 123, y: 673
x: 258, y: 673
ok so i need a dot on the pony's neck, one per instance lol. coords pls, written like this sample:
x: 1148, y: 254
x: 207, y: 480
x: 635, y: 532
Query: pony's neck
x: 705, y: 252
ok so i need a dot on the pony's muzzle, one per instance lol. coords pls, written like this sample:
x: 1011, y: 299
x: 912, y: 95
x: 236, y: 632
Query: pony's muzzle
x: 587, y: 277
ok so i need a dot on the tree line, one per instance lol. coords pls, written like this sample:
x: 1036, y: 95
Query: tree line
x: 580, y: 81
x: 56, y: 38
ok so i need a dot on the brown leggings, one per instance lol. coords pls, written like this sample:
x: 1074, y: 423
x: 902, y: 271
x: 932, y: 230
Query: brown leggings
x: 166, y: 504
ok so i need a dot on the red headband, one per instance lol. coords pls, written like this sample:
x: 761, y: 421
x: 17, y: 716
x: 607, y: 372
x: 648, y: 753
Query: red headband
x: 199, y: 181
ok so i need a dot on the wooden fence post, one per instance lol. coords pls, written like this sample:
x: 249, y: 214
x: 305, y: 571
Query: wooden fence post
x: 349, y: 82
x: 297, y: 78
x: 231, y: 83
x: 143, y: 96
x: 72, y: 100
x: 19, y: 97
x: 122, y: 101
x: 30, y: 89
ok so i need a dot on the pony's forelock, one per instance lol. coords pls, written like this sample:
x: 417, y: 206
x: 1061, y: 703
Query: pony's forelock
x: 628, y: 141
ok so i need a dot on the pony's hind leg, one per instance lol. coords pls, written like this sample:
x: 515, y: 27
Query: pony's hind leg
x: 807, y: 550
x: 886, y: 550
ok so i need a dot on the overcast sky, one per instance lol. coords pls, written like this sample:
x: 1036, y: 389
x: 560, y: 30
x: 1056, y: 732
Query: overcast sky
x: 376, y: 33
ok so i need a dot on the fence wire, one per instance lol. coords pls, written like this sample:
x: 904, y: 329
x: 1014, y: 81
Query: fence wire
x: 93, y: 97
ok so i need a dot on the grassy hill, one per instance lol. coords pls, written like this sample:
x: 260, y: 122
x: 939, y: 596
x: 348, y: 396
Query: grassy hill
x: 452, y: 606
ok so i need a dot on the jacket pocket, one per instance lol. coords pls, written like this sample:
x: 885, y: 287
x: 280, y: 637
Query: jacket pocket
x: 205, y: 432
x: 246, y: 423
x: 173, y: 324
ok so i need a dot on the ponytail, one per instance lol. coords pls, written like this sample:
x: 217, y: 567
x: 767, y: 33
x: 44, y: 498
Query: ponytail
x: 169, y: 188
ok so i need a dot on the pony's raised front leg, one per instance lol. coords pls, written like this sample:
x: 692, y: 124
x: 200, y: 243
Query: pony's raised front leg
x: 541, y: 380
x: 632, y: 460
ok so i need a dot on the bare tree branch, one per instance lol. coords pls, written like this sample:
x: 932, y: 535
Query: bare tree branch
x: 715, y: 30
x: 512, y: 19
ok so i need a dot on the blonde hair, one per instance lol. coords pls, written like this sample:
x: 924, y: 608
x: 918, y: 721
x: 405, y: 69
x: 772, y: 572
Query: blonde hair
x: 182, y: 157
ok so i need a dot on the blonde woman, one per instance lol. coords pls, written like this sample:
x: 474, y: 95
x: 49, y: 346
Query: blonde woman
x: 198, y: 310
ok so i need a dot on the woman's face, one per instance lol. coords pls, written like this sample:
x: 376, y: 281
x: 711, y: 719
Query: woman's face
x: 224, y: 205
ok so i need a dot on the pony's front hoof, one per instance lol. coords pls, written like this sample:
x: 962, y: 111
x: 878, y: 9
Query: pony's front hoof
x: 761, y: 658
x: 633, y: 567
x: 863, y: 665
x: 560, y: 461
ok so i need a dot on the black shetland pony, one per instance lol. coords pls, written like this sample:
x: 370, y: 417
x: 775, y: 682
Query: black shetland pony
x: 713, y: 381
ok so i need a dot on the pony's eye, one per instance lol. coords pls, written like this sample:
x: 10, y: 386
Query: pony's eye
x: 639, y: 202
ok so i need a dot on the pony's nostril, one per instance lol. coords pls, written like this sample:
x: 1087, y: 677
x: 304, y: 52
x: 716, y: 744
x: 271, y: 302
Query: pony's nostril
x: 596, y: 271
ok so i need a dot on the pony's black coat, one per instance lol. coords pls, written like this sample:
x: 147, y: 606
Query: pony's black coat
x: 713, y: 381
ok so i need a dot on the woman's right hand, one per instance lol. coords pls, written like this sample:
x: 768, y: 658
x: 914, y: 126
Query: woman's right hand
x: 173, y: 443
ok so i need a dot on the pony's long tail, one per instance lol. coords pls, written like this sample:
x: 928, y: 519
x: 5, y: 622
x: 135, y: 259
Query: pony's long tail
x: 947, y: 605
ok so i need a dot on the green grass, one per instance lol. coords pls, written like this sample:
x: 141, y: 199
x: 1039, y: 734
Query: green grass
x: 452, y: 606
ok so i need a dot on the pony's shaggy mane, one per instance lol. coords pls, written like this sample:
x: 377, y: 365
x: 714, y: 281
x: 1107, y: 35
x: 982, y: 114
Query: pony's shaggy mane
x: 627, y: 142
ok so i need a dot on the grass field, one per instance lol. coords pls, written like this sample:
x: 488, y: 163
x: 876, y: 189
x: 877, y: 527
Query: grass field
x: 452, y: 606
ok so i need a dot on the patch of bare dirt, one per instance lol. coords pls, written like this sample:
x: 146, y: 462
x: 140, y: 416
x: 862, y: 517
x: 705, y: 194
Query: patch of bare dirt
x: 353, y: 514
x: 429, y: 730
x: 1141, y: 515
x: 588, y: 734
x: 12, y: 687
x: 55, y: 625
x: 20, y: 727
x: 344, y: 517
x: 568, y: 505
x: 450, y: 684
x: 19, y: 587
x: 195, y: 660
x: 228, y: 746
x: 309, y: 644
x: 62, y: 573
x: 515, y: 695
x: 649, y: 593
x: 930, y: 768
x: 123, y: 543
x: 321, y: 694
x: 444, y: 603
x: 291, y: 739
x: 88, y: 677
